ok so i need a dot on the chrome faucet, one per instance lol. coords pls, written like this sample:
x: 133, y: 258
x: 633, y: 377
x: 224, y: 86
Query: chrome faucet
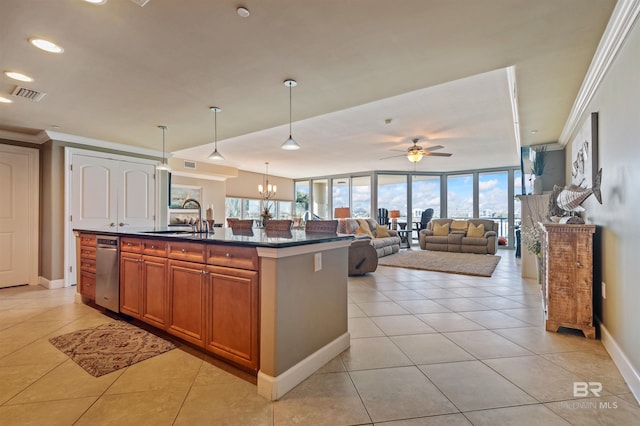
x: 201, y: 225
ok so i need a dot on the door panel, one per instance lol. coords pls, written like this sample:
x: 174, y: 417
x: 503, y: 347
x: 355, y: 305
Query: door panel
x: 14, y: 223
x: 136, y: 207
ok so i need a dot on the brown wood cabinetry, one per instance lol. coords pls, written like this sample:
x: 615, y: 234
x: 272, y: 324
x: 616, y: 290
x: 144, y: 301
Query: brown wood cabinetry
x: 143, y: 280
x: 567, y: 277
x: 232, y: 297
x: 186, y: 300
x: 206, y: 294
x: 88, y: 265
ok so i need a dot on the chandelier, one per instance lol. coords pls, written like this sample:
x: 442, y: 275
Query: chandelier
x: 267, y: 191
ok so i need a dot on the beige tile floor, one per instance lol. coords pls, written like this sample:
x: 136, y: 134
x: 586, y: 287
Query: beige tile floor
x: 426, y: 349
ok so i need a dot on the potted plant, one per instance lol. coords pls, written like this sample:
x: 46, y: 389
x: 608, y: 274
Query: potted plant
x: 537, y: 168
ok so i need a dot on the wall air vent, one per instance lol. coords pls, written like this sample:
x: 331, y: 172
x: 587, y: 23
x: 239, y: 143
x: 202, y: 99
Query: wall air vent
x: 30, y: 94
x: 189, y: 164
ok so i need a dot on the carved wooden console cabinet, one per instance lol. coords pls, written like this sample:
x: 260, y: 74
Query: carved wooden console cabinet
x: 567, y: 277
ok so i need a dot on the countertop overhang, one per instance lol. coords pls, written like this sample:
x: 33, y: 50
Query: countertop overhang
x: 247, y: 238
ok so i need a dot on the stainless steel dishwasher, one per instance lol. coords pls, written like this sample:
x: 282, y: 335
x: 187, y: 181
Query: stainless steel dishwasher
x: 108, y: 272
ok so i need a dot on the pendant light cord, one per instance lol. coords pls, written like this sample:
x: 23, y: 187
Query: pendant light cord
x: 290, y: 86
x: 215, y: 130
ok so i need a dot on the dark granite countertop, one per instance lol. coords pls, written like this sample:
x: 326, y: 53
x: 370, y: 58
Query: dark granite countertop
x: 248, y: 238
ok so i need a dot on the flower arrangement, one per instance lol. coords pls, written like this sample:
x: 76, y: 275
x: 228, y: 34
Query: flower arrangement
x: 266, y: 214
x: 532, y: 239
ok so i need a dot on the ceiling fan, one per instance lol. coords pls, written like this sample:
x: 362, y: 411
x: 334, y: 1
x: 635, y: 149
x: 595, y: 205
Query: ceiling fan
x: 416, y: 152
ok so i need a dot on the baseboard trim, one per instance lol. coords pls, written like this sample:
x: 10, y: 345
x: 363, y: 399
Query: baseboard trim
x: 274, y: 388
x: 621, y: 361
x: 50, y: 284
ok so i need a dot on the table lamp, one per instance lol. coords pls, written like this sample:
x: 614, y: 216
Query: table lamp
x: 341, y: 213
x: 394, y: 215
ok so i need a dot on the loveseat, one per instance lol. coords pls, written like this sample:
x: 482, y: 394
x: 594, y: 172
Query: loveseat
x: 385, y: 241
x: 461, y: 236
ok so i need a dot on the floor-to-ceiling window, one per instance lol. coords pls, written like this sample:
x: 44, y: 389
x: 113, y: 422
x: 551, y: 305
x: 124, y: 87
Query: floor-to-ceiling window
x: 301, y: 189
x: 340, y: 192
x: 361, y: 196
x: 493, y: 199
x: 320, y: 198
x: 425, y: 194
x: 392, y: 194
x: 460, y: 196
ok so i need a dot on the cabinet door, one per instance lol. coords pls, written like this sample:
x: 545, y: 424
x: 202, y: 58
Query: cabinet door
x: 130, y: 283
x: 154, y: 291
x: 232, y: 315
x: 186, y: 301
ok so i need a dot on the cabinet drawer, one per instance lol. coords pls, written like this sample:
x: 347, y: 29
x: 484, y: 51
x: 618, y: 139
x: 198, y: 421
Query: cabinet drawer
x: 192, y: 252
x: 154, y: 247
x: 88, y: 240
x: 131, y: 244
x: 88, y: 284
x: 88, y: 265
x: 88, y: 252
x: 234, y: 257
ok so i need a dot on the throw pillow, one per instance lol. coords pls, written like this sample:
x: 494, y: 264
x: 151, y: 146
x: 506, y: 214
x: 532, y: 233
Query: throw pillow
x: 459, y: 225
x: 440, y: 230
x: 382, y: 231
x: 363, y: 228
x: 475, y: 231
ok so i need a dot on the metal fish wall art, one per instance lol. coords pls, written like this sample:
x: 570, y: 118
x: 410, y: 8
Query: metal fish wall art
x: 572, y: 196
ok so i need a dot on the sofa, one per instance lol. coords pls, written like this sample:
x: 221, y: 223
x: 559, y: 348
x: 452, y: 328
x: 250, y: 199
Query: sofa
x: 384, y: 245
x: 460, y: 236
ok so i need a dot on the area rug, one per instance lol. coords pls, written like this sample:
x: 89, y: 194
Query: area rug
x: 109, y: 347
x: 441, y: 261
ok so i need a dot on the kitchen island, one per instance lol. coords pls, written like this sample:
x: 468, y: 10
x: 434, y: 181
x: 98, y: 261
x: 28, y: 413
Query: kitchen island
x: 272, y: 303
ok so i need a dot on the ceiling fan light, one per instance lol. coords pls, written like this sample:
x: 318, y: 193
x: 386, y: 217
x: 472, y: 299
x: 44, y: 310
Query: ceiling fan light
x: 290, y: 144
x: 414, y: 156
x: 216, y: 156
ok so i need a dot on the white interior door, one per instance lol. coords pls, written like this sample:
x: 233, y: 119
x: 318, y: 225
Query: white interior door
x: 18, y: 188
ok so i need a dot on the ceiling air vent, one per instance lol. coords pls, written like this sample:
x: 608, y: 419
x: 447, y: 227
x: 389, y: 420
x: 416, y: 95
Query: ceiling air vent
x: 189, y: 164
x: 140, y: 3
x: 30, y: 94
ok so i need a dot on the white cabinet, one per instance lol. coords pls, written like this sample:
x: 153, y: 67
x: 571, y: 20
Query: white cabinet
x: 107, y: 192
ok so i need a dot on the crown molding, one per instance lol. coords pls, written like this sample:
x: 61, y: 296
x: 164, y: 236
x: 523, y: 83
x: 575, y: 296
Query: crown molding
x: 98, y: 143
x: 621, y: 21
x: 37, y: 139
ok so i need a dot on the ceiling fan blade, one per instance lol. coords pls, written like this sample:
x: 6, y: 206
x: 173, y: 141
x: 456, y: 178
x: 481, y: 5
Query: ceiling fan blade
x: 438, y: 154
x: 433, y: 148
x: 394, y: 156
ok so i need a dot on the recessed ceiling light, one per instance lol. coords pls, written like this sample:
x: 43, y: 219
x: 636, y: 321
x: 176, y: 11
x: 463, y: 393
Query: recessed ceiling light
x: 17, y: 76
x: 55, y: 126
x: 533, y: 132
x: 96, y: 1
x: 243, y: 11
x: 46, y: 45
x: 5, y: 100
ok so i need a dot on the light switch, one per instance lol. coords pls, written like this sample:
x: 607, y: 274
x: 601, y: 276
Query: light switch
x: 317, y: 262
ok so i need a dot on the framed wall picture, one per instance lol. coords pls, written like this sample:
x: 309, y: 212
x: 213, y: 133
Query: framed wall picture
x: 584, y: 150
x: 179, y: 193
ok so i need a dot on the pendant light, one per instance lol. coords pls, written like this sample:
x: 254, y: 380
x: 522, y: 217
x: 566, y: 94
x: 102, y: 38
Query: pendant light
x: 290, y: 144
x: 215, y: 155
x: 163, y: 165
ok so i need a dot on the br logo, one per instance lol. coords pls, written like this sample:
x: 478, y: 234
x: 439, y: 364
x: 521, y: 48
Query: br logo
x: 583, y: 389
